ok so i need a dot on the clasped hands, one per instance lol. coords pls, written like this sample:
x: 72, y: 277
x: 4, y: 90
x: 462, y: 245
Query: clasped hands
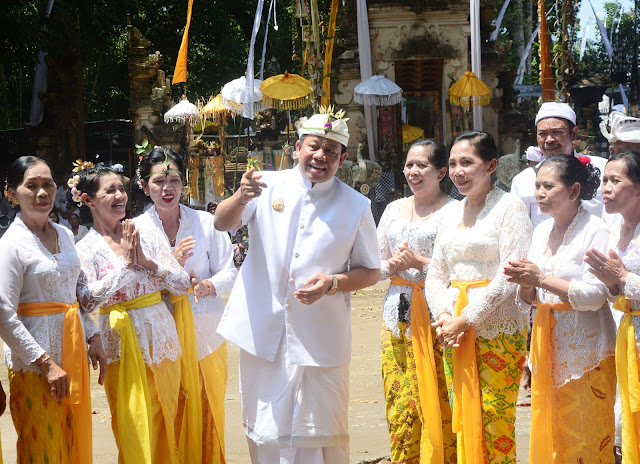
x: 609, y: 270
x: 132, y: 248
x: 451, y: 330
x: 405, y: 258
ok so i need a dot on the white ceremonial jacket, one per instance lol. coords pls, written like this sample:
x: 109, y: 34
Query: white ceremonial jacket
x: 523, y: 187
x: 327, y: 228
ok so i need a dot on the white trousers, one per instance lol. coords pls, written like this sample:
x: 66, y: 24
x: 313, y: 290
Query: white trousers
x: 294, y: 413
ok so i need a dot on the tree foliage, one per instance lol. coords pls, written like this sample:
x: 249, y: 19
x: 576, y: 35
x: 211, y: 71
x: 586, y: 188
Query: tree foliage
x: 219, y: 38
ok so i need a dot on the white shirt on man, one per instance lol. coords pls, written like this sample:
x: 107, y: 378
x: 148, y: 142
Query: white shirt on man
x: 523, y: 187
x: 297, y: 230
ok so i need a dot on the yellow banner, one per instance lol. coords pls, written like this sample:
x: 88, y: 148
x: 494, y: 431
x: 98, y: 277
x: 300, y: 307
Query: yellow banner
x: 328, y: 55
x: 180, y: 73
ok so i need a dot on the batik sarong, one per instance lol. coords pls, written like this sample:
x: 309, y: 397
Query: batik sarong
x: 44, y: 426
x: 403, y: 408
x: 500, y: 362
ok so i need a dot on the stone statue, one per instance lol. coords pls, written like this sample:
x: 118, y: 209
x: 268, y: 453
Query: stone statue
x: 510, y: 165
x: 370, y: 171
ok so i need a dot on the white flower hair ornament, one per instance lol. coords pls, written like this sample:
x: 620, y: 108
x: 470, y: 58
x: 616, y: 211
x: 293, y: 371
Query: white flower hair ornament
x: 79, y: 166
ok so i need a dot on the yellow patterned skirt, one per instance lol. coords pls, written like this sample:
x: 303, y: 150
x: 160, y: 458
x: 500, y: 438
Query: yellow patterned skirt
x: 500, y: 362
x: 164, y: 389
x: 583, y: 418
x: 44, y: 426
x: 403, y: 409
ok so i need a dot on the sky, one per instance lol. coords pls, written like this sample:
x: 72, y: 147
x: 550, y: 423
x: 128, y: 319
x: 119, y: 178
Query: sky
x: 586, y: 13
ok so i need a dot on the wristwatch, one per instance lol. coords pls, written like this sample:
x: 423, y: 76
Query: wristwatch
x: 334, y: 286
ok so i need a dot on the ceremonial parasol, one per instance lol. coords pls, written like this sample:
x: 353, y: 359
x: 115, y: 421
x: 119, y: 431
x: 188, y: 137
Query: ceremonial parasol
x: 234, y: 94
x: 469, y: 91
x: 286, y: 92
x: 183, y: 112
x: 378, y: 91
x: 411, y: 133
x: 216, y: 107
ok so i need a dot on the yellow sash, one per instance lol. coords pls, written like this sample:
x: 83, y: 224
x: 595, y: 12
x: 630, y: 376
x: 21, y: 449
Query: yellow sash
x: 467, y: 403
x: 134, y: 402
x: 432, y: 452
x: 628, y: 379
x: 190, y: 445
x: 76, y: 365
x: 541, y: 444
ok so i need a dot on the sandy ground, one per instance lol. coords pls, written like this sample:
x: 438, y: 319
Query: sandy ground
x: 367, y: 423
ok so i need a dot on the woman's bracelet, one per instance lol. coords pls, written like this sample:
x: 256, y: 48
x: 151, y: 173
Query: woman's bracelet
x: 42, y: 360
x: 162, y: 274
x: 541, y: 279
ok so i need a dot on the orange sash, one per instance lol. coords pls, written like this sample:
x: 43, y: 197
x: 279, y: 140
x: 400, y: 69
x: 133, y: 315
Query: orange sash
x: 76, y: 365
x: 432, y: 452
x: 541, y: 444
x: 628, y: 379
x: 467, y: 402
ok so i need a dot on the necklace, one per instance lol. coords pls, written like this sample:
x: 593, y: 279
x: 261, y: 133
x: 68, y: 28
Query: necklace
x: 172, y: 242
x: 413, y: 210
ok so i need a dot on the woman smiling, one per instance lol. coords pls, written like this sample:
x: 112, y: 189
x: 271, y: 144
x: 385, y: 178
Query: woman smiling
x: 483, y: 331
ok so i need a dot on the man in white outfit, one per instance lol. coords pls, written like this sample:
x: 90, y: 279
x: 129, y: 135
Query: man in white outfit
x: 312, y: 241
x: 556, y: 131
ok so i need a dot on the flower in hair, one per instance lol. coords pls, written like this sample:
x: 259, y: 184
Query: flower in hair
x: 79, y: 165
x: 584, y: 159
x: 76, y: 194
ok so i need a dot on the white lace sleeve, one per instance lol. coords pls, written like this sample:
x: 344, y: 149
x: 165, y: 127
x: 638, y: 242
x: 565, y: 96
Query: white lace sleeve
x: 223, y: 271
x: 93, y: 291
x: 383, y: 243
x: 515, y: 238
x: 176, y: 279
x: 588, y: 293
x: 90, y: 327
x: 12, y: 330
x: 632, y: 287
x: 438, y: 281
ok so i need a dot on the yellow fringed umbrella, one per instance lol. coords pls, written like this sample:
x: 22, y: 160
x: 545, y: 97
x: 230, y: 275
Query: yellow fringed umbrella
x: 207, y: 124
x: 215, y: 107
x: 286, y: 92
x: 411, y: 133
x: 469, y: 91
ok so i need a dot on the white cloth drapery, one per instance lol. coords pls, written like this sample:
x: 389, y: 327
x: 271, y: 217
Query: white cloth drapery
x: 366, y: 71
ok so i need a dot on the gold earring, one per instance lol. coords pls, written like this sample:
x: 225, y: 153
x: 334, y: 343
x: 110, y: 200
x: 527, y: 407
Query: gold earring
x: 12, y: 201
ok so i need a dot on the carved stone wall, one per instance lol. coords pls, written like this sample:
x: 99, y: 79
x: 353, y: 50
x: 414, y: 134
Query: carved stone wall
x: 399, y: 31
x: 150, y: 93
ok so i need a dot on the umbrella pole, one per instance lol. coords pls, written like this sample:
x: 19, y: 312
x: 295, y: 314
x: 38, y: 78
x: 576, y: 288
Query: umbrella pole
x: 235, y: 171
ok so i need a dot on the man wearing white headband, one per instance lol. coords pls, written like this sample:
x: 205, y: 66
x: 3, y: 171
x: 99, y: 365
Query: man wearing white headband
x: 555, y: 131
x: 311, y: 242
x: 624, y: 135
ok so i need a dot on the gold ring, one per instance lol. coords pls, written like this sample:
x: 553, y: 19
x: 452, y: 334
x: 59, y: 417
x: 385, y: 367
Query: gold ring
x: 181, y: 255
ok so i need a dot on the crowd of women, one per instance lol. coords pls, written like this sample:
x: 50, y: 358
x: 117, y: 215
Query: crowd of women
x: 156, y: 283
x: 465, y: 278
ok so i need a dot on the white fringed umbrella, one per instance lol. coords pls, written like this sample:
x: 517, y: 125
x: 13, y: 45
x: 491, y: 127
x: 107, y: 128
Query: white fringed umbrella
x: 233, y: 94
x: 183, y: 112
x: 378, y: 91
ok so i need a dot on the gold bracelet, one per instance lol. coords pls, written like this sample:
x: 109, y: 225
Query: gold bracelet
x: 162, y: 274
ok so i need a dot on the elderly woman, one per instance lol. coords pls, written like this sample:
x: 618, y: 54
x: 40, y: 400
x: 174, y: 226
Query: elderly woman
x: 406, y: 234
x: 125, y: 272
x: 477, y: 319
x: 206, y: 255
x: 50, y: 399
x: 573, y: 378
x: 619, y: 270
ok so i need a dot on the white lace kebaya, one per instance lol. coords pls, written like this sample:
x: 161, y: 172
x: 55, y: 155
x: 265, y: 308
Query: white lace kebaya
x: 110, y: 281
x: 631, y: 259
x: 212, y: 260
x: 582, y: 338
x: 393, y: 231
x: 502, y: 233
x: 31, y: 274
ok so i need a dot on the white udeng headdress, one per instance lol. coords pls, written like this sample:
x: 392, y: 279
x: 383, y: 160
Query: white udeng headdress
x: 326, y: 124
x: 623, y: 128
